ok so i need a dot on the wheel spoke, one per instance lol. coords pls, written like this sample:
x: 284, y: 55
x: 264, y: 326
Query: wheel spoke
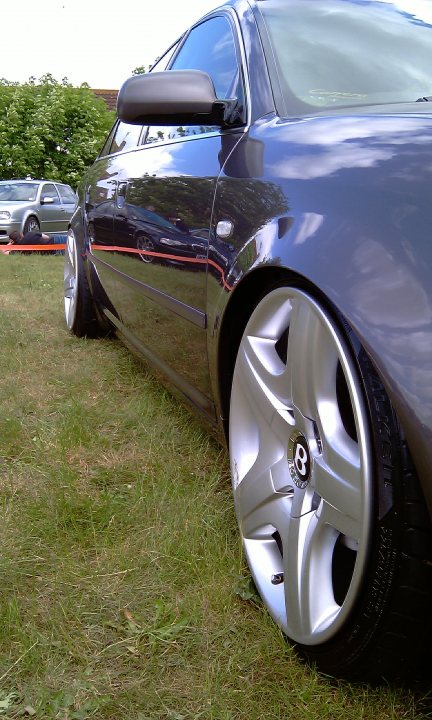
x: 312, y: 360
x: 254, y: 441
x: 340, y: 487
x: 258, y: 370
x: 260, y: 508
x: 308, y: 551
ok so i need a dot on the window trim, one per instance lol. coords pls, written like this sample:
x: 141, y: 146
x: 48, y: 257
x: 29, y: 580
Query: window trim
x: 233, y: 21
x: 44, y: 185
x: 172, y: 48
x: 108, y: 140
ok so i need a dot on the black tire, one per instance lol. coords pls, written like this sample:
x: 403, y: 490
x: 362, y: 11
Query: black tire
x: 389, y: 635
x: 31, y: 225
x: 372, y: 583
x: 80, y: 311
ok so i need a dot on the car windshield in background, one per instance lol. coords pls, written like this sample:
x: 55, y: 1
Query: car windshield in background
x: 350, y: 52
x: 18, y: 192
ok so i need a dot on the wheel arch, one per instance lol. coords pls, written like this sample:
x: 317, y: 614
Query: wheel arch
x: 26, y: 218
x: 239, y: 308
x: 236, y: 315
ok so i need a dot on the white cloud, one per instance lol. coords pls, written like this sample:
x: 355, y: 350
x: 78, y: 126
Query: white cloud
x: 420, y: 9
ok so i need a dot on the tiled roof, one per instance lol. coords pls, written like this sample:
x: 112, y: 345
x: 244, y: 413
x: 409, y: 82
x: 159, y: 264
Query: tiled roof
x: 110, y: 97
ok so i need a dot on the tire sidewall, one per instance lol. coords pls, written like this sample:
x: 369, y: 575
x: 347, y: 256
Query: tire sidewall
x: 352, y: 653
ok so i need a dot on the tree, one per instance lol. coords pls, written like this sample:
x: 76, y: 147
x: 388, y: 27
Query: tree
x: 50, y: 129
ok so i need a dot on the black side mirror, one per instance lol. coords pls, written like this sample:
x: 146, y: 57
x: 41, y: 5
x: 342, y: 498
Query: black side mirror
x: 176, y: 97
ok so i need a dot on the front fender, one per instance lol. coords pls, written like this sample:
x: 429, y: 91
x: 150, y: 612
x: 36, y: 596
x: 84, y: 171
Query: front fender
x: 344, y: 203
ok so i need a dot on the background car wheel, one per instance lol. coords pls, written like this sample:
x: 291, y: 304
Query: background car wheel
x: 81, y: 318
x: 144, y: 243
x: 334, y: 527
x: 31, y: 225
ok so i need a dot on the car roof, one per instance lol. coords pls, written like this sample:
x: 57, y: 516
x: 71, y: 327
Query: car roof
x: 30, y: 180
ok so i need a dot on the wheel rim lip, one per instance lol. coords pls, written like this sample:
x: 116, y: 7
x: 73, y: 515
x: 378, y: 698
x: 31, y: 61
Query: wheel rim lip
x: 70, y: 280
x: 260, y: 553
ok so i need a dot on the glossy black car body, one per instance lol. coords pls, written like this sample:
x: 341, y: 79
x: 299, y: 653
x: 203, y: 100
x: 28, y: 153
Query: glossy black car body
x: 248, y: 203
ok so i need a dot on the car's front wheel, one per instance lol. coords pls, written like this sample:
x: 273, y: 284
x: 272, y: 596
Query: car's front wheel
x: 327, y: 502
x: 145, y: 246
x: 31, y: 225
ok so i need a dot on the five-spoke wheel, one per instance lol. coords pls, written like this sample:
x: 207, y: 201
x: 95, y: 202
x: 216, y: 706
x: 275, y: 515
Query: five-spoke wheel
x: 332, y: 518
x: 70, y: 280
x: 301, y: 465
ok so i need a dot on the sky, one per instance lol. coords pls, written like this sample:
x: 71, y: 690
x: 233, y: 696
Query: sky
x: 99, y: 42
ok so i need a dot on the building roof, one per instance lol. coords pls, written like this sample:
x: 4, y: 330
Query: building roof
x: 110, y: 97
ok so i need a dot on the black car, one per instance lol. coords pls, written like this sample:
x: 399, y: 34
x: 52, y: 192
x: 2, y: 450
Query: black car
x: 274, y: 171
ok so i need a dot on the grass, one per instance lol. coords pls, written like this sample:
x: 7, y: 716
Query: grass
x: 123, y: 591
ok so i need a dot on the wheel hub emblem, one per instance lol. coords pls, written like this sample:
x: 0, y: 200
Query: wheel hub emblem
x: 299, y: 460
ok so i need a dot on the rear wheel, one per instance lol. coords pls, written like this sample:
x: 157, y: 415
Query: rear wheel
x: 80, y: 311
x: 327, y: 503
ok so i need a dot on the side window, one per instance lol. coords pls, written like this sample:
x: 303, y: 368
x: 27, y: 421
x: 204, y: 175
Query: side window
x: 49, y: 190
x: 126, y: 137
x: 209, y: 47
x: 67, y: 195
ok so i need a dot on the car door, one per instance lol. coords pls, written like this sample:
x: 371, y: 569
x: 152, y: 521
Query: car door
x: 51, y: 214
x: 68, y: 203
x: 155, y: 266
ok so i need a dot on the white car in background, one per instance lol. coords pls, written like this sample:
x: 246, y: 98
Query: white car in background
x: 35, y: 205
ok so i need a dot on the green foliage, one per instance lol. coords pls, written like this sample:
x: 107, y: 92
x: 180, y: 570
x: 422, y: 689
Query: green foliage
x: 50, y: 129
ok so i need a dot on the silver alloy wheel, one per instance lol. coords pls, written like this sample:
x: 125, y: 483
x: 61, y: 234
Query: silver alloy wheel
x: 31, y: 225
x: 146, y: 246
x: 301, y: 466
x: 70, y: 280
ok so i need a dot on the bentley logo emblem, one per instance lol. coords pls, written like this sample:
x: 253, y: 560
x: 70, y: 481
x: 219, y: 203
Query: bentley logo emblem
x: 299, y: 460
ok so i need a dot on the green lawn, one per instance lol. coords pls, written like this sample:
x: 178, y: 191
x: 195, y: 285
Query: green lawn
x: 123, y: 591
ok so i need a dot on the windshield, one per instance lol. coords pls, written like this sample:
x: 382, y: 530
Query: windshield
x: 350, y: 52
x: 18, y: 192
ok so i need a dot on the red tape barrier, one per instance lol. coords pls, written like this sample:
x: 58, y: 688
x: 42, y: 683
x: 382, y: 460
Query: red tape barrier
x: 6, y: 249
